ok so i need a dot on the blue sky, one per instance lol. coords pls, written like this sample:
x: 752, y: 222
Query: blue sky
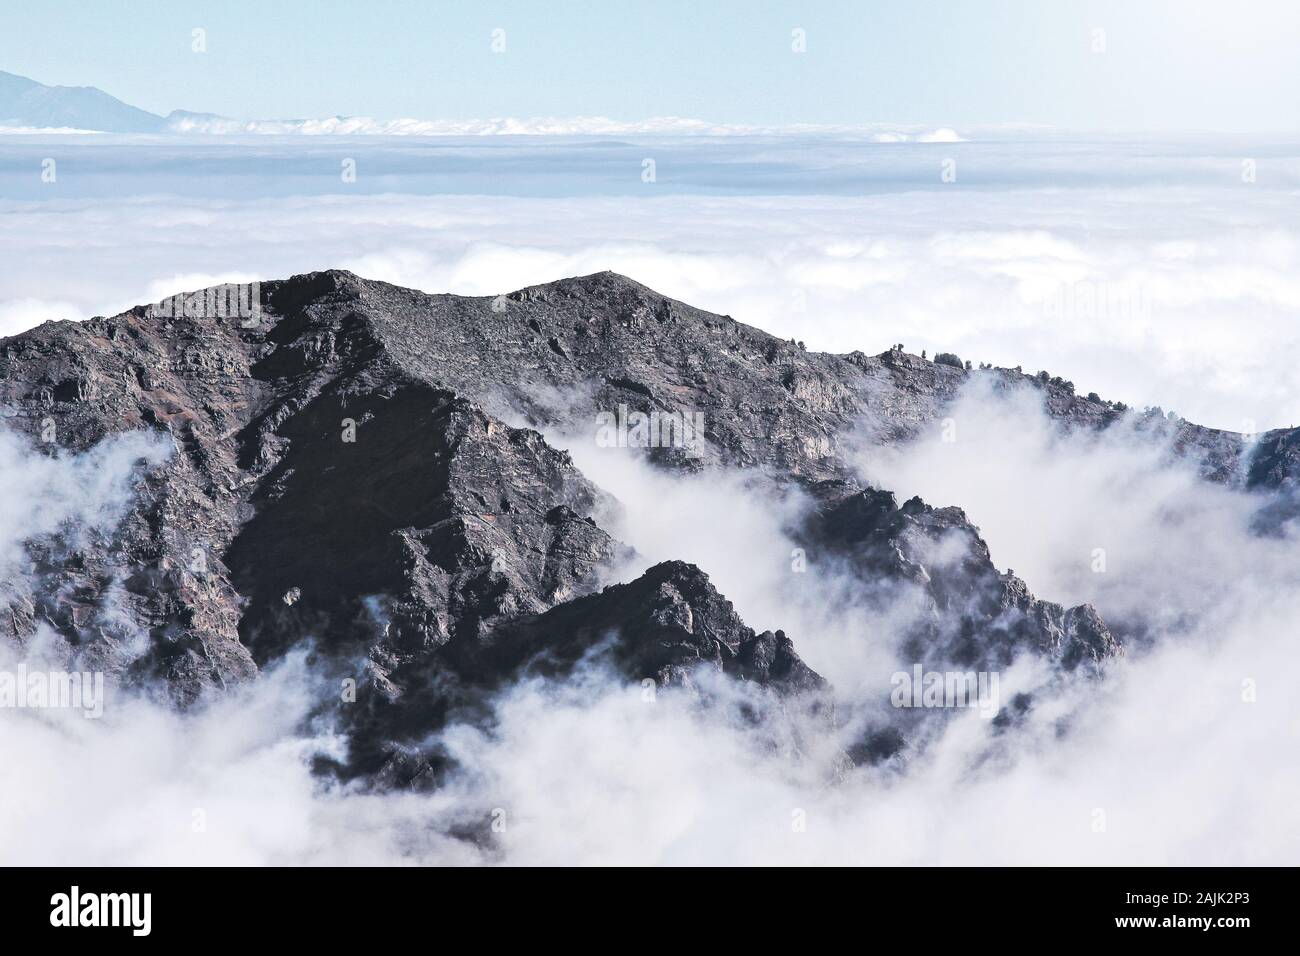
x: 1167, y: 65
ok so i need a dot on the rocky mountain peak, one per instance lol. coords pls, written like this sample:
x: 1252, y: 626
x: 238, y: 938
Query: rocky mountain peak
x: 340, y: 473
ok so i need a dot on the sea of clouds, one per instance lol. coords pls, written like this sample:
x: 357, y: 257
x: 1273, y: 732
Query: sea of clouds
x: 1182, y: 755
x: 1150, y: 273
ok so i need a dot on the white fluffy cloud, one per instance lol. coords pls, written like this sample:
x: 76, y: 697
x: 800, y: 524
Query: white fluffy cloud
x: 1179, y: 297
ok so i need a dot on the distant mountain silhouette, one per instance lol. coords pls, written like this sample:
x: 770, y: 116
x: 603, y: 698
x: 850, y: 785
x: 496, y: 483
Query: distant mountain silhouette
x: 26, y: 103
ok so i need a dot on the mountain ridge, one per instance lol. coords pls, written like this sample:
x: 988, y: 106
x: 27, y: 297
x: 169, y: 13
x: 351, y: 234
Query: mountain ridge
x: 344, y: 467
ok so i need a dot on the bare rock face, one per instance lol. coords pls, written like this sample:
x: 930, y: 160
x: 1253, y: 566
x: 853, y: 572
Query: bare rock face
x: 1275, y: 460
x: 420, y: 520
x: 68, y: 387
x: 1274, y: 470
x: 337, y: 472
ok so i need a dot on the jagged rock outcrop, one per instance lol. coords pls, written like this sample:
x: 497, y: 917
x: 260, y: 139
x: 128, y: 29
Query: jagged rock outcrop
x: 1274, y: 470
x: 970, y: 615
x: 664, y: 626
x: 668, y: 621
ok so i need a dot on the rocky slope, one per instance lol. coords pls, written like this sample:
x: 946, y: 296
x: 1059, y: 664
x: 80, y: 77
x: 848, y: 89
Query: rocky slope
x: 972, y: 616
x: 342, y: 473
x: 609, y: 340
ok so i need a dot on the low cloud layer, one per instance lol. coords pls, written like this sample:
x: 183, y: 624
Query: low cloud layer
x: 1155, y: 275
x: 541, y: 126
x: 1177, y: 757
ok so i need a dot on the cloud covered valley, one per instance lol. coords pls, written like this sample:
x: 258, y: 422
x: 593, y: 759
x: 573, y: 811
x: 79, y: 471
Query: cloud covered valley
x: 130, y: 443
